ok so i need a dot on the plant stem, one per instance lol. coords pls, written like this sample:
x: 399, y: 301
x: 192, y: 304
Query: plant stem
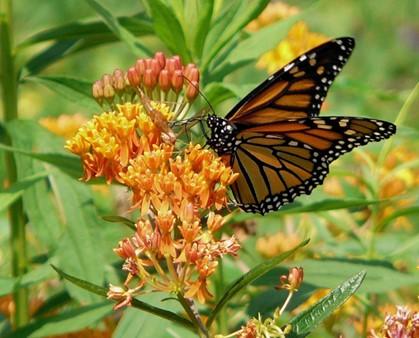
x: 16, y: 214
x: 222, y: 317
x: 200, y: 327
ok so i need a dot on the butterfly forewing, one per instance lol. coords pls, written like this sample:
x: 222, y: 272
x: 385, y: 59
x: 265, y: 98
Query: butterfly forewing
x: 276, y: 167
x: 298, y: 89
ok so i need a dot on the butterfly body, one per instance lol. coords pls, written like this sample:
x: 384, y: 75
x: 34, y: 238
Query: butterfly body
x: 274, y: 138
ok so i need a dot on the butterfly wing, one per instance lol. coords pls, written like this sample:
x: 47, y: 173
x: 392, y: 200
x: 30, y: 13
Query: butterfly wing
x: 298, y: 89
x: 278, y: 162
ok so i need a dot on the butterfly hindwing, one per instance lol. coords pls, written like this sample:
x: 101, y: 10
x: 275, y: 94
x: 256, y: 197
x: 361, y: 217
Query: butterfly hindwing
x: 276, y: 167
x: 298, y: 89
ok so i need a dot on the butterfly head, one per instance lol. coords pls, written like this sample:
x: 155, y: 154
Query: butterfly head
x: 223, y: 135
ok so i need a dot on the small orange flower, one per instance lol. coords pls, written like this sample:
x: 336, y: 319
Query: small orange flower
x: 63, y: 125
x: 275, y: 11
x: 292, y: 281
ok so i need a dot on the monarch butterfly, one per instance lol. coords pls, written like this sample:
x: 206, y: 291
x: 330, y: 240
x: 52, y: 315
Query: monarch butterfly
x: 274, y: 138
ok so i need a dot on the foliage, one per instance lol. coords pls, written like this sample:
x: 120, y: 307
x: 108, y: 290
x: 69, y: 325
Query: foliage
x: 362, y: 223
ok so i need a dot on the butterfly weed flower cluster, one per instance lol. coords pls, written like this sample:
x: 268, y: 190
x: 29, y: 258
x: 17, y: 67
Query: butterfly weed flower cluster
x: 177, y: 190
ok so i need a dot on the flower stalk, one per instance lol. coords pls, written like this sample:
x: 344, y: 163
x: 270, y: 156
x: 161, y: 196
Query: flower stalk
x: 15, y: 212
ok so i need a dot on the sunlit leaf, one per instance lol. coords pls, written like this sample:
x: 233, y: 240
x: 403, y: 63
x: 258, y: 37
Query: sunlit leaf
x: 74, y: 90
x: 307, y: 320
x: 8, y: 196
x: 120, y: 31
x: 236, y: 15
x: 168, y: 28
x: 138, y: 24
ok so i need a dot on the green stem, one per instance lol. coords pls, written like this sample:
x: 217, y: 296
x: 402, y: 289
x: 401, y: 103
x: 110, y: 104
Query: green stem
x: 222, y: 317
x: 200, y: 327
x: 16, y: 214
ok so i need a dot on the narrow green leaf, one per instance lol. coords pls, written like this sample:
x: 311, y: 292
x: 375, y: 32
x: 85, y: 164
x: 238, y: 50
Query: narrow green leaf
x: 120, y: 219
x: 11, y: 194
x: 73, y: 89
x: 99, y: 290
x: 35, y: 276
x: 307, y: 320
x: 121, y: 32
x: 68, y: 321
x: 138, y: 25
x: 248, y: 278
x: 66, y: 163
x: 168, y: 28
x: 48, y: 56
x: 228, y: 24
x: 204, y: 14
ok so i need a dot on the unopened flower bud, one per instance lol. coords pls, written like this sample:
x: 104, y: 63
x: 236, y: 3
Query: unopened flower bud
x: 170, y: 66
x: 192, y: 91
x: 148, y: 63
x: 178, y: 62
x: 108, y: 91
x: 159, y: 56
x: 133, y: 77
x: 150, y: 79
x: 107, y: 79
x: 292, y: 281
x: 177, y: 81
x: 155, y: 67
x: 140, y: 67
x: 164, y: 80
x: 119, y: 80
x: 97, y: 90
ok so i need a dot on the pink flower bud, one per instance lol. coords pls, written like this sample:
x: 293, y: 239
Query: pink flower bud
x: 159, y: 56
x: 193, y: 74
x: 164, y: 80
x: 140, y: 68
x: 192, y: 91
x: 150, y: 80
x: 177, y: 81
x: 155, y: 67
x: 118, y: 80
x: 178, y: 62
x: 133, y: 77
x: 108, y: 91
x: 148, y: 63
x: 107, y: 79
x: 170, y: 66
x: 97, y: 90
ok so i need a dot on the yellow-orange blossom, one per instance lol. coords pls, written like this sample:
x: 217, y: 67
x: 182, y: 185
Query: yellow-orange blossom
x: 177, y: 190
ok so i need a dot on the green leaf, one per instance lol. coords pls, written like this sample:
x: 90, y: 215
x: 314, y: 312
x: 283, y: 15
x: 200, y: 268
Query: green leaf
x: 307, y: 320
x: 120, y: 219
x: 327, y: 272
x: 321, y: 206
x: 258, y: 43
x: 248, y: 278
x: 136, y: 324
x: 74, y: 90
x: 66, y: 163
x: 234, y: 18
x: 99, y: 290
x: 11, y: 194
x: 35, y: 276
x: 138, y: 25
x: 68, y: 321
x: 120, y: 31
x: 168, y: 28
x: 48, y: 56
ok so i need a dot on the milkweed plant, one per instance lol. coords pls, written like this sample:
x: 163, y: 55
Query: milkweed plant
x: 172, y: 254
